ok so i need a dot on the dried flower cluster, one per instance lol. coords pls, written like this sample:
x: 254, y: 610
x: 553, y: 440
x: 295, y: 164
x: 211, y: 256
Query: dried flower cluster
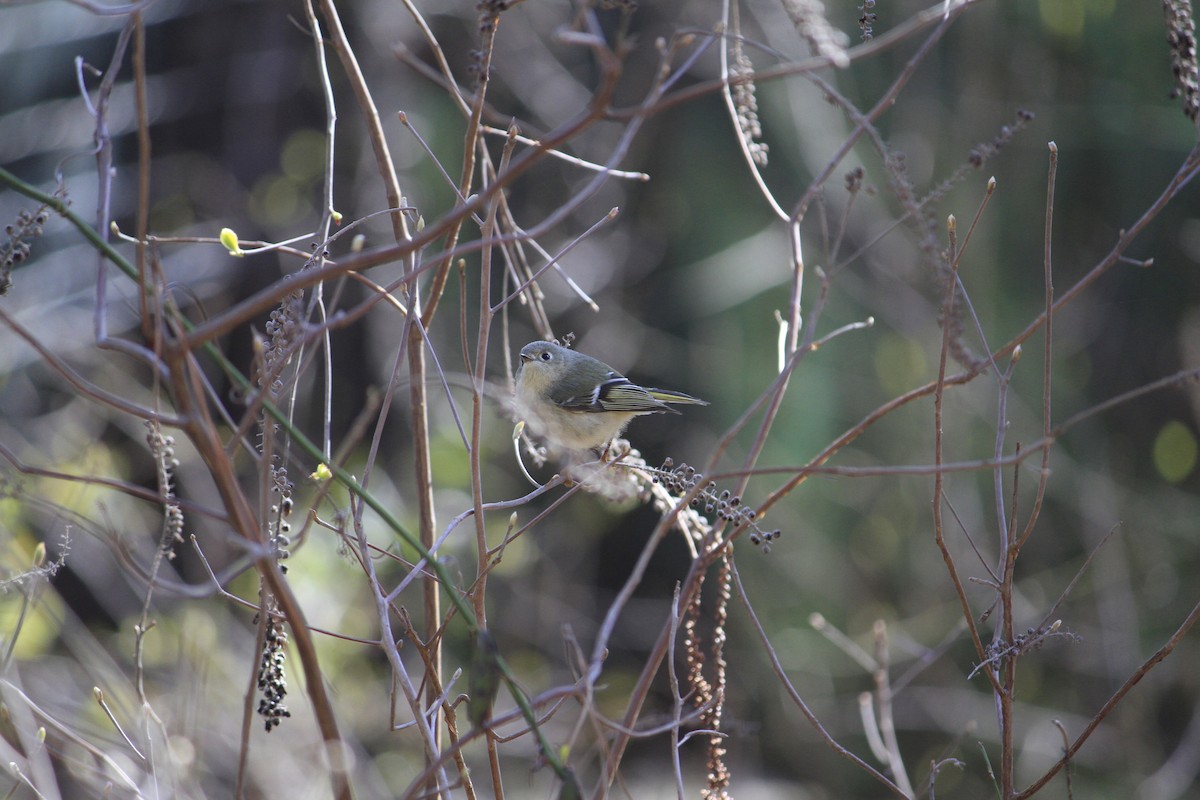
x: 279, y: 532
x: 1032, y: 639
x: 271, y: 680
x: 163, y: 449
x: 855, y: 181
x: 745, y: 101
x: 709, y: 696
x: 40, y: 568
x: 1181, y: 38
x: 725, y: 505
x: 866, y: 20
x: 981, y: 153
x: 14, y: 251
x: 283, y: 329
x: 808, y: 16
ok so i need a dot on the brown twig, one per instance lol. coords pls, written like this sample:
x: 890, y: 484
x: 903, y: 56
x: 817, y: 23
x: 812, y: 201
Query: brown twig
x: 938, y: 397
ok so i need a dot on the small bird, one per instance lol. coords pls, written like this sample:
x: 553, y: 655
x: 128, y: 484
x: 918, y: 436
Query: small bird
x: 576, y: 402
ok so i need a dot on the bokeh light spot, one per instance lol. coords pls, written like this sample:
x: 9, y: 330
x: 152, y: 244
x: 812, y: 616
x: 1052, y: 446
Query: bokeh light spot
x: 1175, y: 451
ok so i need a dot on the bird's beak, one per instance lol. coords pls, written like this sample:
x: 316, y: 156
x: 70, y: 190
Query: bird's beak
x: 525, y: 357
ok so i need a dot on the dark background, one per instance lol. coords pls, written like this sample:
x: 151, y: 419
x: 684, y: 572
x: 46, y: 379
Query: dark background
x: 687, y: 278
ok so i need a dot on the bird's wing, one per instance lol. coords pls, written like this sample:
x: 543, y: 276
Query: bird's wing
x: 617, y: 394
x: 629, y: 397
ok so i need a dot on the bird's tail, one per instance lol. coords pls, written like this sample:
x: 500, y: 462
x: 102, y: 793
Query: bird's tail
x: 664, y: 396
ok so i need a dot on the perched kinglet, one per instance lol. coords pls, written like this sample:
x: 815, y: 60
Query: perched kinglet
x: 575, y: 402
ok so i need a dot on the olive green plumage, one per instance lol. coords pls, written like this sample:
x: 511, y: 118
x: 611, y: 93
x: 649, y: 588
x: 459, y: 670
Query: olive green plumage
x: 576, y: 402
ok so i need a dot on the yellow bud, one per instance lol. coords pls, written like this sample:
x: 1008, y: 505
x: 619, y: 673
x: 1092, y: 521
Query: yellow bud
x: 230, y: 241
x: 39, y: 554
x: 337, y: 217
x: 321, y: 473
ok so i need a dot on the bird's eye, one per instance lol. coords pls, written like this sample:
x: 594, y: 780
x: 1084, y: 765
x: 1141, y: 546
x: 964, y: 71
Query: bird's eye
x: 547, y: 355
